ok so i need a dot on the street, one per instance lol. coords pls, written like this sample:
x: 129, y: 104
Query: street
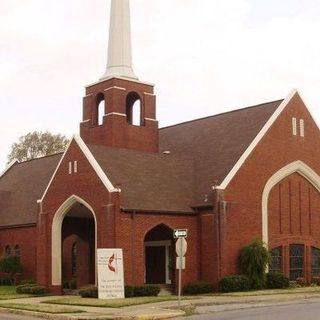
x: 307, y: 311
x: 10, y: 316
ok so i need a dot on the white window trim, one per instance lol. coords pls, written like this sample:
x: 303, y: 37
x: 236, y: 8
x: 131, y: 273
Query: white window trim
x: 294, y: 126
x: 70, y: 167
x: 75, y: 166
x: 301, y: 125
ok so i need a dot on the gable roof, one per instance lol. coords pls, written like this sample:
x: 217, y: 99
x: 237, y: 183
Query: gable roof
x: 20, y: 188
x: 216, y: 143
x: 148, y: 181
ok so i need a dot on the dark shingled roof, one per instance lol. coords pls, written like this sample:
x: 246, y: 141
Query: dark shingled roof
x: 20, y: 188
x: 215, y: 143
x: 202, y: 153
x: 148, y: 181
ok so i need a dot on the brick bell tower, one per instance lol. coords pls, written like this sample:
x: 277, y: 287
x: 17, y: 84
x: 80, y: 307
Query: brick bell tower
x: 119, y: 110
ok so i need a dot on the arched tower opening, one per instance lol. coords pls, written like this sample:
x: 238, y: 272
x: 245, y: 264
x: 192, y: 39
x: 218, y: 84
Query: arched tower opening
x: 134, y: 109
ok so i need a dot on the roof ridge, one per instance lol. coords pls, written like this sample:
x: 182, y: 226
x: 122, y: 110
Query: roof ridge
x: 222, y: 113
x: 40, y: 158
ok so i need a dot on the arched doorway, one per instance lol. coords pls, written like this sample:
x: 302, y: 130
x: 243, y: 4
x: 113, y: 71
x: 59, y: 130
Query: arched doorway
x: 78, y: 246
x: 74, y: 239
x: 159, y: 256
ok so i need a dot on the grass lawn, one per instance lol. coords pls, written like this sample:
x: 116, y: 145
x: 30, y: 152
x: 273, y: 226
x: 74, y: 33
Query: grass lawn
x: 9, y: 292
x: 116, y: 303
x: 273, y: 291
x: 39, y: 308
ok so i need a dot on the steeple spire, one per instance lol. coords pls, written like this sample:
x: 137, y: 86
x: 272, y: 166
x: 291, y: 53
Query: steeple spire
x: 119, y: 50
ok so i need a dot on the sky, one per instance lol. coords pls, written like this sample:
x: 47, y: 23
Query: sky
x: 204, y: 57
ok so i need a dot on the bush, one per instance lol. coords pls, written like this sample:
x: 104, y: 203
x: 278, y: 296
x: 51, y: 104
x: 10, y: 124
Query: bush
x: 6, y: 281
x: 315, y: 281
x: 146, y: 291
x: 129, y: 291
x: 277, y: 280
x: 31, y: 289
x: 301, y: 282
x: 198, y: 288
x: 11, y: 265
x: 70, y: 284
x: 254, y: 260
x: 27, y: 281
x: 89, y: 292
x: 234, y: 283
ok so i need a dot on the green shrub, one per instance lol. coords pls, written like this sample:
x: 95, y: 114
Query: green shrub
x: 146, y: 291
x: 198, y: 288
x: 129, y: 291
x: 276, y: 280
x: 301, y: 282
x: 27, y: 281
x: 315, y: 281
x: 89, y: 292
x: 6, y: 281
x: 38, y: 290
x: 11, y: 265
x: 254, y: 260
x: 31, y: 288
x: 234, y: 283
x: 70, y: 284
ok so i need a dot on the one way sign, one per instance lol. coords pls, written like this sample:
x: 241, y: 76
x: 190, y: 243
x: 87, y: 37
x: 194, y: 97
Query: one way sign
x: 180, y: 233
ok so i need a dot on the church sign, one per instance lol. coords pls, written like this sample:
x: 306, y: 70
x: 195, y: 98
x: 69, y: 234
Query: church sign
x: 110, y: 273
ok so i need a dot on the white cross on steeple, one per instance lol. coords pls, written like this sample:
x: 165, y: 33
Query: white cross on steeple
x: 119, y: 50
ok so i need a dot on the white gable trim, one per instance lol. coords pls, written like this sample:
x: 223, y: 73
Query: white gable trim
x: 257, y: 139
x: 96, y: 167
x: 9, y: 166
x: 297, y: 166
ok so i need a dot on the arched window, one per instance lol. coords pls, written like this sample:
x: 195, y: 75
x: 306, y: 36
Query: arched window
x: 134, y: 109
x: 100, y: 109
x: 7, y: 251
x: 276, y: 260
x: 315, y: 262
x: 17, y: 251
x: 74, y: 254
x: 296, y: 261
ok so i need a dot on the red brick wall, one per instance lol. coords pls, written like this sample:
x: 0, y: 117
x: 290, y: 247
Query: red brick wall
x: 26, y: 239
x: 293, y: 211
x: 115, y: 130
x: 244, y: 193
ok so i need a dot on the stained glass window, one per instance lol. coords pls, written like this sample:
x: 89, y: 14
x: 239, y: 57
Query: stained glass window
x: 315, y: 262
x: 8, y: 251
x: 276, y: 260
x: 296, y: 261
x: 17, y: 251
x: 74, y: 254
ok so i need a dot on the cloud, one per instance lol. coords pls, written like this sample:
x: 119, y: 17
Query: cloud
x: 205, y: 57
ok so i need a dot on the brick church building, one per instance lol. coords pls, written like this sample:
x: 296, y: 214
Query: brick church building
x: 124, y: 183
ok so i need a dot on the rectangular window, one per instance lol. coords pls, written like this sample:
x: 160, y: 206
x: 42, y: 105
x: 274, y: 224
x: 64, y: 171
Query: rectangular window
x: 296, y: 261
x: 70, y: 167
x: 276, y: 260
x: 294, y: 126
x: 315, y: 262
x: 301, y: 128
x: 75, y: 166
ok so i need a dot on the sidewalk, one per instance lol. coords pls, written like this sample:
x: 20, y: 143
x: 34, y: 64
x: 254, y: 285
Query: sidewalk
x: 169, y: 309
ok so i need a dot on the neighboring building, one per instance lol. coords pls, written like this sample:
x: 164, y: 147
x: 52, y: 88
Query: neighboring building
x: 229, y: 179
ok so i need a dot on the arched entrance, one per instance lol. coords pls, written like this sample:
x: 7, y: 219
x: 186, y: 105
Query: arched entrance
x: 159, y: 256
x: 74, y: 243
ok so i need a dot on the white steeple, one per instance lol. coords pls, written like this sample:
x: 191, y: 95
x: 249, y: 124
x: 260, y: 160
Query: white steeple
x: 119, y: 50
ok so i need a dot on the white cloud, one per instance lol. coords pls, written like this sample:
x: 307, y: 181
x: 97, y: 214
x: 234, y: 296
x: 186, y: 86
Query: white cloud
x: 204, y: 56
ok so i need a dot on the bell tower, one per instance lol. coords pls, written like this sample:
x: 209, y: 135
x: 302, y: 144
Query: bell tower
x: 119, y: 110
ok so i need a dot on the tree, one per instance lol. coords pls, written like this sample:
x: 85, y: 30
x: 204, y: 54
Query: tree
x: 37, y: 144
x: 11, y: 265
x: 254, y: 260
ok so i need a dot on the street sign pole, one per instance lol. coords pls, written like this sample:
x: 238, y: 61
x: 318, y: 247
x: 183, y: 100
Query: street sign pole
x: 180, y: 273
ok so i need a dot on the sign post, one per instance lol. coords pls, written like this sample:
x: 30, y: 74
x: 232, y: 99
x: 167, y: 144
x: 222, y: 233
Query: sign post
x: 181, y: 249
